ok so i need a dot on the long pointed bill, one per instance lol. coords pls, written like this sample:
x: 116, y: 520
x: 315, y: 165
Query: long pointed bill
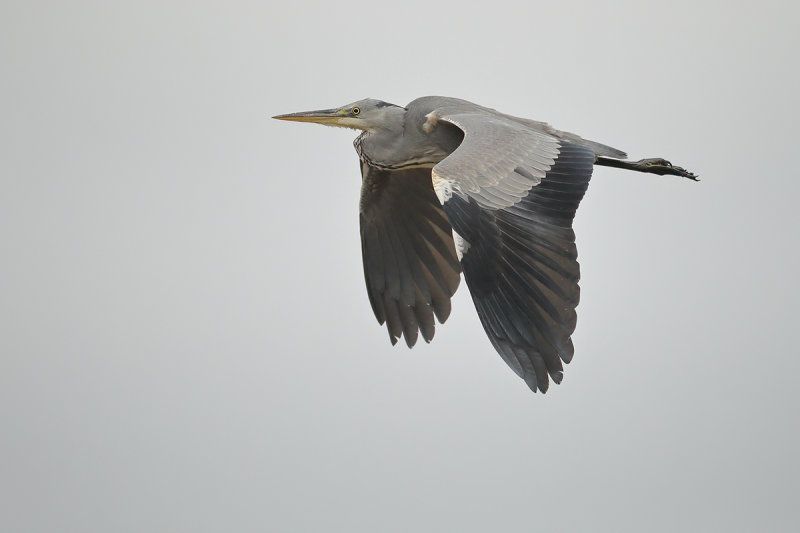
x: 329, y: 117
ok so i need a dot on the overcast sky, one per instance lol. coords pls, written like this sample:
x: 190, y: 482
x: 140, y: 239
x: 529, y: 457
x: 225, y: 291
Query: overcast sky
x: 186, y: 343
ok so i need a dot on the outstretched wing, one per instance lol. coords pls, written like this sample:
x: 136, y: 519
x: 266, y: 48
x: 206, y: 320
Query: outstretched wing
x: 410, y: 263
x: 511, y: 193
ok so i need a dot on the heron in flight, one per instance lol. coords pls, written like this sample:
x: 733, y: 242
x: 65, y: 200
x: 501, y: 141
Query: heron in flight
x: 451, y: 186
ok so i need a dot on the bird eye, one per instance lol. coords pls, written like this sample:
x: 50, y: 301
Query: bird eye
x: 355, y: 111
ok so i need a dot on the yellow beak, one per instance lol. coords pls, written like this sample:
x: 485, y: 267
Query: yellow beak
x: 329, y: 117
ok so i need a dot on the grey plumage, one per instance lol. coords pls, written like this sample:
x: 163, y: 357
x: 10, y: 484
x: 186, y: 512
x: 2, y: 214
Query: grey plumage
x: 451, y: 186
x: 410, y: 263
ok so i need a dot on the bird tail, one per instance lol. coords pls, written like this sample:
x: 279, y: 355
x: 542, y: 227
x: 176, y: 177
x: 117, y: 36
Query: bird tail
x: 602, y: 149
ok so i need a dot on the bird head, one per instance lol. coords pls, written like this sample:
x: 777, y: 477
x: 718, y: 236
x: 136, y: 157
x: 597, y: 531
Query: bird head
x: 367, y: 114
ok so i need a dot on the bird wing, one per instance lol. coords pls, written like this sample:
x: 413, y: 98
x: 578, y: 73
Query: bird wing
x: 511, y: 193
x: 410, y: 263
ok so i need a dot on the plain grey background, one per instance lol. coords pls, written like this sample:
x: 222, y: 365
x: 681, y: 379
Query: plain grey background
x: 186, y: 339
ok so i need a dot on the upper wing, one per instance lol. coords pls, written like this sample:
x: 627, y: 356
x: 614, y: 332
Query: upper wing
x: 511, y: 194
x: 410, y: 263
x: 498, y: 161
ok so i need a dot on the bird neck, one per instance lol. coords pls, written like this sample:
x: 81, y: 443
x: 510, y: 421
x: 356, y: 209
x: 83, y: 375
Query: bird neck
x: 381, y: 142
x: 399, y: 143
x: 389, y: 119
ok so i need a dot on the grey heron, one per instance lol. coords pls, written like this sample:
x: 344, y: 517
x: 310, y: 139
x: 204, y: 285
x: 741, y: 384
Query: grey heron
x: 451, y: 186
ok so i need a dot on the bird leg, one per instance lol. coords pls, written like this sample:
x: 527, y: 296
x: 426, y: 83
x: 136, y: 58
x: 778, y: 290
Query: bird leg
x: 655, y: 165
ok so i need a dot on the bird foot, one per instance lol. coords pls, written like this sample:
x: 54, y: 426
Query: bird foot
x: 657, y: 165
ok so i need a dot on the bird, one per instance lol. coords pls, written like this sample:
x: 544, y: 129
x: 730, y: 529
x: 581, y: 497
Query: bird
x: 451, y: 187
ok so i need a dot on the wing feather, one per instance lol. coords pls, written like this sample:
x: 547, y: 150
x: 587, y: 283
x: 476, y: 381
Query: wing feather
x: 521, y: 260
x: 485, y: 163
x: 410, y: 264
